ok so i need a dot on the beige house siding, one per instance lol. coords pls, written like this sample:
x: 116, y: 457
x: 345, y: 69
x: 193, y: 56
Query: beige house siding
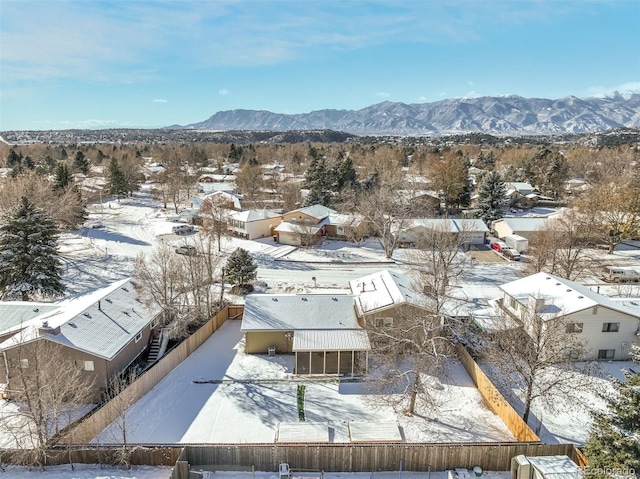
x: 258, y: 342
x: 300, y: 218
x: 103, y: 370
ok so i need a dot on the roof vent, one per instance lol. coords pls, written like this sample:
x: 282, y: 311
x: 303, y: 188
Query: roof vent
x: 108, y: 300
x: 580, y: 297
x: 548, y: 277
x: 126, y: 313
x: 557, y: 284
x: 304, y: 299
x: 125, y: 289
x: 274, y: 299
x: 568, y: 290
x: 87, y: 315
x: 36, y: 310
x: 334, y: 298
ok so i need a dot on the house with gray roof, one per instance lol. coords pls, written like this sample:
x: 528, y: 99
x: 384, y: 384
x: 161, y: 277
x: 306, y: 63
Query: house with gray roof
x: 104, y: 332
x: 463, y: 231
x: 304, y: 226
x: 322, y: 330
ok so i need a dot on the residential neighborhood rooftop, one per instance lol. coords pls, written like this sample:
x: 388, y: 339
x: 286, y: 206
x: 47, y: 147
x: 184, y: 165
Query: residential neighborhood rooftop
x: 561, y: 296
x: 293, y: 312
x: 383, y: 290
x: 100, y: 323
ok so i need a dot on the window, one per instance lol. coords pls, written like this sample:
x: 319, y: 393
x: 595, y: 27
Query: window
x: 594, y: 311
x: 84, y: 365
x: 339, y: 230
x: 575, y: 327
x: 138, y: 336
x: 512, y: 302
x: 385, y: 322
x: 606, y: 353
x: 610, y: 327
x: 24, y: 363
x: 293, y: 220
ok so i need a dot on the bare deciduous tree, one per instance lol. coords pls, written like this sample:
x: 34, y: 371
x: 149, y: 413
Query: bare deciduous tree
x: 536, y: 359
x: 561, y: 247
x: 413, y: 350
x: 50, y: 390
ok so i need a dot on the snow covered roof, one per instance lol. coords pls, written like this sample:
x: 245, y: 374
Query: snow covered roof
x: 100, y: 323
x: 561, y: 296
x: 301, y: 228
x: 293, y: 312
x: 524, y: 224
x: 345, y: 220
x: 374, y: 432
x: 225, y: 196
x: 447, y: 225
x: 520, y: 186
x: 253, y: 215
x: 331, y: 340
x: 307, y: 432
x: 13, y: 314
x: 315, y: 211
x: 383, y: 290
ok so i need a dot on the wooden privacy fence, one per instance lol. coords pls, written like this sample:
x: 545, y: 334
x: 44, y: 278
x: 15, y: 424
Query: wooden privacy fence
x: 496, y: 401
x: 90, y: 426
x: 363, y: 457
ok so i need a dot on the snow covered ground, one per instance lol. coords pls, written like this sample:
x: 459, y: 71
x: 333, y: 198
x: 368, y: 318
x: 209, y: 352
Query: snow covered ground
x: 88, y: 471
x: 94, y: 257
x: 259, y: 392
x: 91, y: 471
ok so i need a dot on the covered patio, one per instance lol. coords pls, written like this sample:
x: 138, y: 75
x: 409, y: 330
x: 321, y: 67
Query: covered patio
x: 331, y: 352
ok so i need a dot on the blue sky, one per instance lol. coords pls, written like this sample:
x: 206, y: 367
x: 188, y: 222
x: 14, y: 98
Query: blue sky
x: 131, y: 63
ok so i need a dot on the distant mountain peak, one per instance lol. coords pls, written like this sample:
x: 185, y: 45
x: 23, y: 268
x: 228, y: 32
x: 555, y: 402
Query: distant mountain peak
x: 497, y: 115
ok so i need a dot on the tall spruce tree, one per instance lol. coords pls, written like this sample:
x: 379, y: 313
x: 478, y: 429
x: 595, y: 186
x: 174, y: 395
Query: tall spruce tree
x: 29, y: 261
x: 240, y: 269
x: 80, y: 163
x: 117, y: 180
x: 613, y: 446
x: 491, y: 195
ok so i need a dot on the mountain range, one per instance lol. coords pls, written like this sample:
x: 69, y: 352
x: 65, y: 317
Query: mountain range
x: 496, y: 115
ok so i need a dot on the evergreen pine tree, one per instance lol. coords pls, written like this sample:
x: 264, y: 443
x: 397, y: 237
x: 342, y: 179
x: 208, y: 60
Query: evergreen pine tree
x: 62, y: 178
x: 613, y: 446
x: 491, y: 197
x: 81, y: 163
x: 117, y: 180
x: 240, y: 269
x: 29, y: 262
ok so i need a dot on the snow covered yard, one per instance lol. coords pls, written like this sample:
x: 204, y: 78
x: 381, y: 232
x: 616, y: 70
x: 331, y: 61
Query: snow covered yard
x: 568, y: 422
x: 219, y: 394
x: 88, y: 471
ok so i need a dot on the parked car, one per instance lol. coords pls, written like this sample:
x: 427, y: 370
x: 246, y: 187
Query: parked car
x: 499, y: 246
x: 182, y: 229
x: 511, y: 254
x: 615, y: 274
x: 188, y: 250
x: 96, y: 225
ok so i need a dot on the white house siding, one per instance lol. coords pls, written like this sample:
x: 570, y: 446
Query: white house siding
x: 592, y: 331
x: 256, y: 229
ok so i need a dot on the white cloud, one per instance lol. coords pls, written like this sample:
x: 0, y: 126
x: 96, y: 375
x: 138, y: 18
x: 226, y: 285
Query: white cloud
x: 601, y: 91
x: 223, y: 92
x: 422, y: 98
x: 383, y: 94
x: 159, y: 100
x: 471, y: 94
x: 470, y: 83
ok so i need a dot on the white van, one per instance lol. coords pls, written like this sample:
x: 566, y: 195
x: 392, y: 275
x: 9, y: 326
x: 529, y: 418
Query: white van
x: 182, y: 229
x: 614, y: 274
